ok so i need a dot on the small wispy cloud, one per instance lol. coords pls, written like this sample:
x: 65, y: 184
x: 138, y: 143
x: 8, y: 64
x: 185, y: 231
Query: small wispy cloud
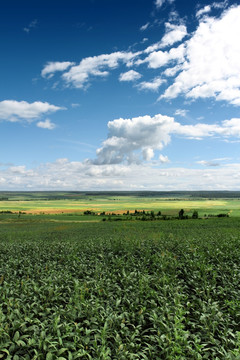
x: 151, y: 85
x: 32, y: 25
x: 208, y: 163
x: 181, y: 112
x: 130, y: 75
x: 214, y: 162
x: 47, y: 124
x: 163, y: 159
x: 207, y: 8
x: 159, y: 3
x: 144, y: 27
x: 203, y: 11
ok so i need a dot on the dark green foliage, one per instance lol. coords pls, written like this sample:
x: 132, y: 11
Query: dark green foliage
x: 195, y: 215
x: 222, y: 215
x: 180, y: 214
x: 89, y: 212
x: 120, y: 290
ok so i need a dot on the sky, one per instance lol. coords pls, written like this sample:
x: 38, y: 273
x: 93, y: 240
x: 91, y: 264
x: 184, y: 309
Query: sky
x: 119, y: 95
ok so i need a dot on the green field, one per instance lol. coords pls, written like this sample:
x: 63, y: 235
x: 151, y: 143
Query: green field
x: 73, y: 286
x: 120, y: 290
x: 77, y: 203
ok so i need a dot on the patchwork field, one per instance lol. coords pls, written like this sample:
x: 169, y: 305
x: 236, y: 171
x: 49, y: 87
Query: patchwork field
x: 47, y: 204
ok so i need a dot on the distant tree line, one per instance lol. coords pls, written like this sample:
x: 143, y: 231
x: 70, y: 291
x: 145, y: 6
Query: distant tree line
x: 151, y: 215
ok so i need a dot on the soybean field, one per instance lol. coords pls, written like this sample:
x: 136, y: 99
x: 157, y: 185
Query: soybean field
x: 120, y: 290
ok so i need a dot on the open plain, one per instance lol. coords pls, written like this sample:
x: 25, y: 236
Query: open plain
x: 73, y: 286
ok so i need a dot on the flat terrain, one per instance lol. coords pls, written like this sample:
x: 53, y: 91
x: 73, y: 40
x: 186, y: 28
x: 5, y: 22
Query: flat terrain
x: 73, y: 286
x: 58, y: 203
x: 120, y: 290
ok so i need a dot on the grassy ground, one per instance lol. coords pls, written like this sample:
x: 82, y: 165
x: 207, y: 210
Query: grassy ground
x: 123, y: 203
x: 120, y: 290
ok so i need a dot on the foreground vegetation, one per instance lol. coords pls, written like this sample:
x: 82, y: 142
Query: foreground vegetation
x: 120, y: 290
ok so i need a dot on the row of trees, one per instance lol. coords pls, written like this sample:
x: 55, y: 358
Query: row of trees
x: 151, y: 215
x: 181, y: 215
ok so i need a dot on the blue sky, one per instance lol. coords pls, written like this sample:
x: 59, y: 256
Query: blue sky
x: 120, y: 95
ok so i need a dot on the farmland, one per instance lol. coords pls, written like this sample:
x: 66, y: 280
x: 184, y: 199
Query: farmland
x: 120, y: 290
x: 77, y: 203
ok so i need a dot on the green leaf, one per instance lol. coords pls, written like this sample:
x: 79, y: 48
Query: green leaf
x: 5, y: 351
x: 61, y: 351
x: 20, y: 343
x: 16, y: 336
x: 49, y: 356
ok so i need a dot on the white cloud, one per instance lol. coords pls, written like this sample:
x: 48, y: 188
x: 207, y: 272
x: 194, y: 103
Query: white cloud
x: 160, y: 58
x: 52, y: 176
x: 169, y: 72
x: 147, y: 154
x: 231, y: 127
x: 79, y: 75
x: 206, y: 9
x: 203, y: 11
x: 51, y: 67
x: 206, y: 65
x: 47, y: 124
x: 127, y: 136
x: 144, y: 27
x: 159, y: 3
x: 181, y: 112
x: 163, y: 159
x: 173, y: 16
x: 130, y: 75
x: 151, y: 85
x: 135, y: 139
x: 220, y: 5
x: 12, y: 110
x: 151, y: 48
x: 212, y: 62
x: 174, y: 33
